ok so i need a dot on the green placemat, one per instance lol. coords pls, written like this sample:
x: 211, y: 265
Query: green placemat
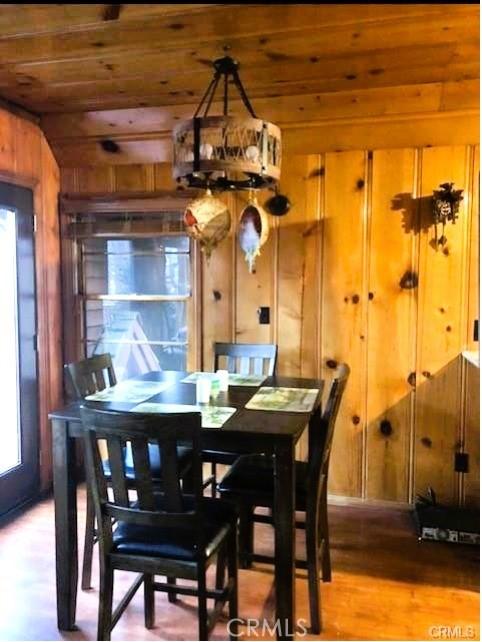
x: 194, y: 376
x: 283, y: 399
x: 234, y: 379
x: 130, y: 391
x: 246, y: 380
x: 212, y: 416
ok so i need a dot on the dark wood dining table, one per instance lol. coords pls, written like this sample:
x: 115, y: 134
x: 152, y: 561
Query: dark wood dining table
x: 251, y: 431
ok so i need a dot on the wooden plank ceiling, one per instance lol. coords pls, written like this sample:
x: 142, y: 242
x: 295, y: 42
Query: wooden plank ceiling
x: 127, y: 73
x: 75, y: 58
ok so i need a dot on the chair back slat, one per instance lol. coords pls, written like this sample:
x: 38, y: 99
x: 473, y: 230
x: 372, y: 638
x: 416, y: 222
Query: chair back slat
x: 151, y: 501
x: 246, y: 358
x: 116, y: 457
x: 257, y: 366
x: 244, y: 363
x: 320, y: 446
x: 99, y: 379
x: 89, y: 375
x: 171, y: 479
x: 112, y: 379
x: 143, y: 475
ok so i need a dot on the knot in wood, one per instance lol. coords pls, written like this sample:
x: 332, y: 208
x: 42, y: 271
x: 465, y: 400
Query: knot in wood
x: 386, y: 428
x: 409, y: 280
x: 109, y: 146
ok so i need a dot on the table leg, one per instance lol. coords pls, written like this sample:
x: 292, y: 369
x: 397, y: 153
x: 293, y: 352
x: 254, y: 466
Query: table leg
x: 65, y: 496
x: 284, y: 523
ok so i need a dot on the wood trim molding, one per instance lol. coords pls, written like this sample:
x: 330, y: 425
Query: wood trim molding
x: 17, y: 179
x: 370, y: 132
x: 379, y: 119
x: 159, y: 201
x: 433, y: 131
x: 166, y: 134
x: 358, y: 502
x: 115, y: 137
x: 18, y: 111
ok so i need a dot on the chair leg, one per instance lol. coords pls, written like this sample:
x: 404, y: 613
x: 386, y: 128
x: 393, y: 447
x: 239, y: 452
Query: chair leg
x: 88, y: 542
x: 313, y: 560
x: 149, y: 604
x: 214, y: 480
x: 172, y: 597
x: 202, y: 603
x: 220, y: 570
x: 233, y: 576
x: 325, y: 539
x: 106, y: 587
x: 246, y: 534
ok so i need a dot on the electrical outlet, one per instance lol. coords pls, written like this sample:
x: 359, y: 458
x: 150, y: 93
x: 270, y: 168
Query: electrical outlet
x: 263, y: 314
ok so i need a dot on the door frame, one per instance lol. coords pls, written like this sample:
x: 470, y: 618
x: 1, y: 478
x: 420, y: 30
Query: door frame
x: 23, y: 481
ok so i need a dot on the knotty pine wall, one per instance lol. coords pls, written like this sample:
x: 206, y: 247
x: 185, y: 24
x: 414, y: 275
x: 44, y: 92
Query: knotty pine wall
x: 26, y: 159
x: 331, y: 273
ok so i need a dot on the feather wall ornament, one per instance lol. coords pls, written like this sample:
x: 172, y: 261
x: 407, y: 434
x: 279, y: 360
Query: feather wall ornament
x: 253, y: 231
x: 207, y: 220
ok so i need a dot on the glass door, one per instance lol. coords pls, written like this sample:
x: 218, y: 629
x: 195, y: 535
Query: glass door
x: 18, y: 365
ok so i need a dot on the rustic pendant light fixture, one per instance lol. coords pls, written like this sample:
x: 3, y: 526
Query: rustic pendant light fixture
x: 226, y: 152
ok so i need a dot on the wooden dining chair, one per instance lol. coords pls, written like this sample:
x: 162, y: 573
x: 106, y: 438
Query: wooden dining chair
x: 246, y: 358
x: 91, y: 375
x: 157, y: 530
x: 240, y: 358
x: 85, y: 378
x: 250, y: 483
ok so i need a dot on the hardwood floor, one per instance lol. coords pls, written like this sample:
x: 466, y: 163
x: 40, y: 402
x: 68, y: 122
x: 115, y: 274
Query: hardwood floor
x: 386, y: 585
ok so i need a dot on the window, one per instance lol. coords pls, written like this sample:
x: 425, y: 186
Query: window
x: 136, y: 295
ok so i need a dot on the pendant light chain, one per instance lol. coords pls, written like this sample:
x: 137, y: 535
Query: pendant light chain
x: 242, y: 93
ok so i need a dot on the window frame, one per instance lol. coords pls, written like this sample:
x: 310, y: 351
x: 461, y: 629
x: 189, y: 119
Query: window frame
x: 74, y: 214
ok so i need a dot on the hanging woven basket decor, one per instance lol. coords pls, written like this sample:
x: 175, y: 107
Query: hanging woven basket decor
x: 253, y: 231
x: 208, y: 221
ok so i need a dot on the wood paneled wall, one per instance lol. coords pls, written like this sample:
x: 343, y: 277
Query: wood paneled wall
x: 332, y: 273
x: 26, y: 159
